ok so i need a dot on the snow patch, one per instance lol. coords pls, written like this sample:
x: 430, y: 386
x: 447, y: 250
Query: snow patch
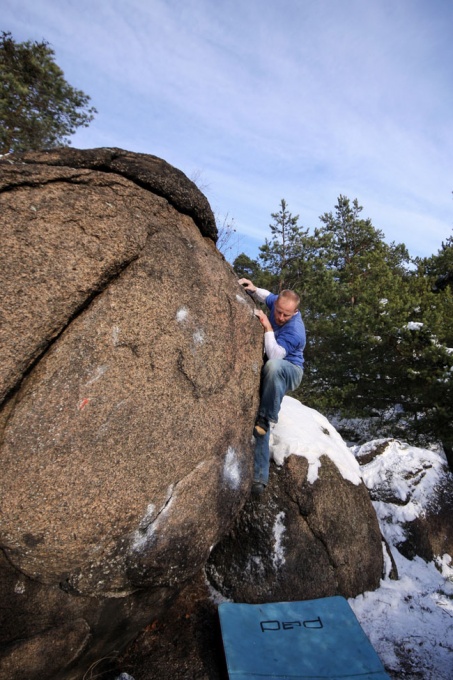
x: 231, y: 469
x: 414, y: 325
x: 445, y: 566
x: 143, y: 537
x: 145, y: 529
x: 278, y: 558
x: 214, y: 594
x: 302, y: 431
x: 410, y: 618
x: 255, y: 566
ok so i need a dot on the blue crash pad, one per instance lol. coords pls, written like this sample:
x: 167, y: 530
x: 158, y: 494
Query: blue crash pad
x: 319, y: 639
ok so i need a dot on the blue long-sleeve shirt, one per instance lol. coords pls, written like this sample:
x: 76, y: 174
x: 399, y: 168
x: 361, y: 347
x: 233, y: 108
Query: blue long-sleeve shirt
x: 287, y: 341
x: 291, y: 336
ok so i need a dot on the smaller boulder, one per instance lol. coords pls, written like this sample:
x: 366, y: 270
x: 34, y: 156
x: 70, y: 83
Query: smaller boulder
x: 313, y: 533
x: 415, y: 487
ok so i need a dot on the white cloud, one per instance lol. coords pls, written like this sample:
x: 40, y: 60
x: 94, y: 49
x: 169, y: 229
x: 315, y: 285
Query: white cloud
x: 297, y: 100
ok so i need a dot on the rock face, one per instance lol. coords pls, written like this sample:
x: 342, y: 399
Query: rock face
x: 303, y: 538
x: 129, y: 385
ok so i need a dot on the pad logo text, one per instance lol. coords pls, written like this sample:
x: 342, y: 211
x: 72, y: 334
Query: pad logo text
x: 290, y: 625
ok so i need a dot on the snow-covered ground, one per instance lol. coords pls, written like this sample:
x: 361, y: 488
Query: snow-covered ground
x: 410, y: 620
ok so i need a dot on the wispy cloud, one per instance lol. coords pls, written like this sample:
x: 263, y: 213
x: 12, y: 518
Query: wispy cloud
x: 272, y: 99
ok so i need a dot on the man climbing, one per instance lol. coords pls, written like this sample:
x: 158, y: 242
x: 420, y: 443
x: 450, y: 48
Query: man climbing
x: 284, y: 342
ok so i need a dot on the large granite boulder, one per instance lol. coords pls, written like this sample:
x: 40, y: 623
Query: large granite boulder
x: 129, y: 384
x: 313, y: 533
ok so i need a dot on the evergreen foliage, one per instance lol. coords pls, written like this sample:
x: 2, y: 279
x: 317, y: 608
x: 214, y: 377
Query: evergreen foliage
x: 279, y: 254
x: 441, y: 266
x: 379, y: 324
x: 38, y: 108
x: 247, y: 268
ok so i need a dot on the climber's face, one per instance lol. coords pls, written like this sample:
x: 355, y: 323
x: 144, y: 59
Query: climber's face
x: 284, y: 310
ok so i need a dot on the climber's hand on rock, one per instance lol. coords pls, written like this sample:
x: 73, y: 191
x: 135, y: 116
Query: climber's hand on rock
x: 247, y: 284
x: 263, y: 319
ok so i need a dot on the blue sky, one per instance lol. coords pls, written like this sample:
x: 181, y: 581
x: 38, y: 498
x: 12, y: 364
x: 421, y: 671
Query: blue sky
x: 260, y: 100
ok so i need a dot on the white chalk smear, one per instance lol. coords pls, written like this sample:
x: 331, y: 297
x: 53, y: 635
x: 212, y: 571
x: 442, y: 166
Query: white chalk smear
x: 182, y: 314
x: 198, y: 337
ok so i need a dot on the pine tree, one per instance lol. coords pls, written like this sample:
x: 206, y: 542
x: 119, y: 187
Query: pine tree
x: 345, y: 319
x: 431, y: 350
x: 440, y: 266
x: 285, y: 248
x: 246, y: 268
x: 38, y: 108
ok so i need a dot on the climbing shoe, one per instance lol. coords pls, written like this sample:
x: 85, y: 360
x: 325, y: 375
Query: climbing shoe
x: 261, y: 426
x: 257, y: 489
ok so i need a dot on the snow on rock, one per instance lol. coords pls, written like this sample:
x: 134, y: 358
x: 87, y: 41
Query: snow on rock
x: 305, y: 537
x: 444, y: 564
x: 400, y: 479
x: 302, y: 431
x: 231, y: 469
x: 145, y: 534
x: 401, y: 467
x: 278, y: 530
